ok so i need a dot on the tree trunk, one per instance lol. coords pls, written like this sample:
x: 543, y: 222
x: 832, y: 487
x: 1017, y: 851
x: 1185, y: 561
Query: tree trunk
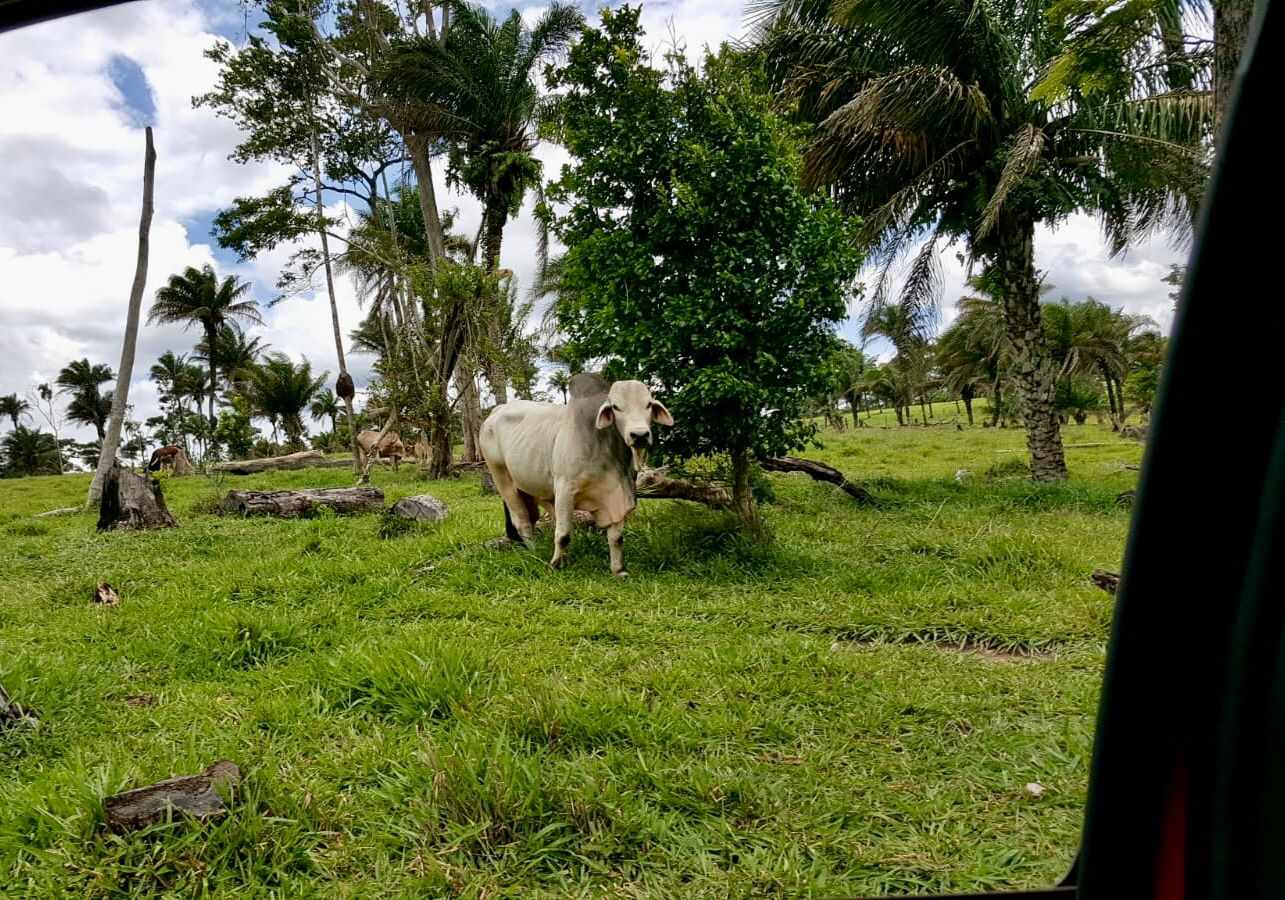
x: 1111, y: 401
x: 132, y: 501
x: 470, y: 413
x: 995, y: 400
x: 290, y: 504
x: 967, y: 394
x: 107, y: 455
x: 1231, y: 30
x: 1015, y: 261
x: 742, y: 497
x: 417, y: 148
x: 330, y: 292
x: 214, y: 381
x: 899, y: 420
x: 496, y: 214
x: 923, y: 411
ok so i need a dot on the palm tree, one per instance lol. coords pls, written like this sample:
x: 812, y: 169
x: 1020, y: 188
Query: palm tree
x: 81, y: 379
x: 326, y: 406
x: 29, y: 452
x: 560, y: 380
x: 197, y: 297
x: 973, y: 352
x: 477, y: 89
x: 14, y: 407
x: 168, y: 372
x: 235, y: 353
x: 282, y: 390
x: 926, y: 124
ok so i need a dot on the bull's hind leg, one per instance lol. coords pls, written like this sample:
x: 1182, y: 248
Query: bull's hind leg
x: 616, y: 545
x: 518, y: 524
x: 564, y: 507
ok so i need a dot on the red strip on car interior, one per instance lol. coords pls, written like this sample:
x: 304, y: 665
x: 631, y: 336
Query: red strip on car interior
x: 1170, y: 881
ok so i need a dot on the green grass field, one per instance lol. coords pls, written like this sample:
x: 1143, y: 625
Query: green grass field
x: 856, y: 708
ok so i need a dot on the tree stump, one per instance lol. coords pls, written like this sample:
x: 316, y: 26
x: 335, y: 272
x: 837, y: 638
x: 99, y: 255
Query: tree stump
x: 1108, y: 581
x: 132, y: 501
x: 197, y: 796
x: 12, y: 712
x: 421, y: 508
x: 292, y: 504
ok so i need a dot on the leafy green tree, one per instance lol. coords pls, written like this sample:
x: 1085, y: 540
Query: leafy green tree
x: 281, y: 390
x: 14, y: 407
x: 198, y: 297
x: 1077, y: 397
x: 925, y: 122
x: 236, y: 431
x: 88, y: 406
x: 25, y: 451
x: 235, y: 354
x: 694, y: 261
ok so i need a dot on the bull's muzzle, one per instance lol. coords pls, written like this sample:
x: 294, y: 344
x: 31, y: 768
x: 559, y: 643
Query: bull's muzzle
x: 640, y: 440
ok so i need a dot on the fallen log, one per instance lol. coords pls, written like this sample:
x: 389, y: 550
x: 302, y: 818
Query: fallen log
x: 292, y: 504
x: 653, y: 484
x: 132, y: 501
x: 199, y: 796
x: 299, y: 460
x: 1108, y: 581
x: 820, y: 471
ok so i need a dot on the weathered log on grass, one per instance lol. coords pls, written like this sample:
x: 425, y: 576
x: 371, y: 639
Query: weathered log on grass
x: 819, y: 471
x: 200, y: 797
x: 300, y: 460
x: 346, y: 462
x: 1108, y: 581
x: 293, y: 504
x: 132, y: 501
x: 655, y: 484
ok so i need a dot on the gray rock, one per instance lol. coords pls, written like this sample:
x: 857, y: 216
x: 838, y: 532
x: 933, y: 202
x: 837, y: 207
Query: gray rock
x: 421, y: 508
x: 199, y: 796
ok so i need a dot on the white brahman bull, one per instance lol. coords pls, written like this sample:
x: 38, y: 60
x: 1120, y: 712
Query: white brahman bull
x: 581, y: 456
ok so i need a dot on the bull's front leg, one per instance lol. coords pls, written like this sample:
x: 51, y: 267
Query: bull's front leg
x: 616, y: 546
x: 564, y: 508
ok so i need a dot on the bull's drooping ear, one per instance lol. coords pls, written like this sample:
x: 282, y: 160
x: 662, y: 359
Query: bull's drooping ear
x: 606, y: 415
x: 661, y: 415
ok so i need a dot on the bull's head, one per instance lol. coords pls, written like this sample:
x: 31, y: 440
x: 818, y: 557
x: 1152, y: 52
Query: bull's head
x: 632, y: 410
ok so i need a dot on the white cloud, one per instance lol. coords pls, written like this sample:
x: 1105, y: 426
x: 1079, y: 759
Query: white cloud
x: 71, y: 178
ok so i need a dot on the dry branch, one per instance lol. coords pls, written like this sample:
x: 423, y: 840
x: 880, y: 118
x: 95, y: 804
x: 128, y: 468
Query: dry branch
x: 655, y: 484
x: 819, y: 471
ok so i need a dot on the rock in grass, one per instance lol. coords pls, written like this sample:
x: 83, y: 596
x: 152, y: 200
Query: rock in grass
x: 199, y: 796
x: 421, y: 508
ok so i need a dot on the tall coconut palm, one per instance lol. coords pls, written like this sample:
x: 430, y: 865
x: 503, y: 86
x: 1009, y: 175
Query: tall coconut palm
x: 81, y: 378
x: 235, y: 354
x: 198, y: 297
x: 281, y: 390
x: 168, y: 372
x: 14, y: 407
x: 29, y: 452
x: 927, y: 125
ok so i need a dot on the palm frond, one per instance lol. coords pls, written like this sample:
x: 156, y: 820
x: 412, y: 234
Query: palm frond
x: 1023, y: 157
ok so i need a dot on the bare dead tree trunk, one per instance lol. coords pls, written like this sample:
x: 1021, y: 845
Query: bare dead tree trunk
x: 470, y: 412
x: 107, y: 455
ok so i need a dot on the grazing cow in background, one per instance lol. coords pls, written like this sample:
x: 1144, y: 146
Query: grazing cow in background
x: 391, y: 447
x: 581, y: 456
x: 172, y: 458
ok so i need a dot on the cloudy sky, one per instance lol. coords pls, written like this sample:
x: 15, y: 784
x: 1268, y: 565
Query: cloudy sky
x: 76, y: 94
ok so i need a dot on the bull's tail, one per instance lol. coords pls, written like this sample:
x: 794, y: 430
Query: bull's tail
x: 510, y: 530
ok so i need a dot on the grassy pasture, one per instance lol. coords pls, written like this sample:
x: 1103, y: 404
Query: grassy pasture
x: 856, y: 708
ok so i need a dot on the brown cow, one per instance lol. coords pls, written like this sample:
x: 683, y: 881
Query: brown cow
x: 172, y: 458
x: 391, y: 446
